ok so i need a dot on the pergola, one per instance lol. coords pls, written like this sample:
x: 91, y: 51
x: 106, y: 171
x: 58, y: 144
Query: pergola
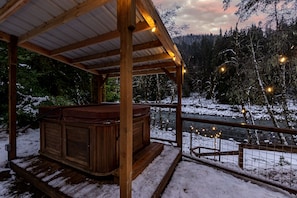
x: 108, y: 38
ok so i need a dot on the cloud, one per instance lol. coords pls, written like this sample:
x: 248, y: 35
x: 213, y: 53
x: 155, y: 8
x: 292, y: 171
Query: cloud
x: 205, y: 16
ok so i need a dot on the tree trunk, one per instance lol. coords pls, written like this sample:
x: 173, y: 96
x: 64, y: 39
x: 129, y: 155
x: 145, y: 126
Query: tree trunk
x: 286, y: 111
x: 268, y: 106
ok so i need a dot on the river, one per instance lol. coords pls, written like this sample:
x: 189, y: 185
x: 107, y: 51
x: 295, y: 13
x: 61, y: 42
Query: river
x: 227, y: 132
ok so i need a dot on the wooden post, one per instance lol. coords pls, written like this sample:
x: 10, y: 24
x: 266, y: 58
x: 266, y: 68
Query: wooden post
x: 12, y: 64
x: 178, y: 108
x: 240, y: 156
x: 98, y: 89
x: 102, y: 91
x: 126, y: 24
x: 95, y: 87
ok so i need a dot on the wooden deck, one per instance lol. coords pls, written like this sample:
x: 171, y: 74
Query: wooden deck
x: 57, y: 180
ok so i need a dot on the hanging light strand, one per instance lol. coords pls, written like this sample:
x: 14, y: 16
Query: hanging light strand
x: 210, y: 133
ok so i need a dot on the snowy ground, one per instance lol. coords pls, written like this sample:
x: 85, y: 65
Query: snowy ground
x: 198, y: 105
x: 189, y: 180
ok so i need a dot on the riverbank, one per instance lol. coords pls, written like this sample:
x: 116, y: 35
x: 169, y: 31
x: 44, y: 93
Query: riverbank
x: 196, y: 104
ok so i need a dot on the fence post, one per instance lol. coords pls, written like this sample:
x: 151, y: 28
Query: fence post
x: 240, y: 156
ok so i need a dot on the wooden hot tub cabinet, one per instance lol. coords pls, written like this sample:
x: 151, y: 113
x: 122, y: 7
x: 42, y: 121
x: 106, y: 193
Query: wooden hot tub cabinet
x: 87, y: 137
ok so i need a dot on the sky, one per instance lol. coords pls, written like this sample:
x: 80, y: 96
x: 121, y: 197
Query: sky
x: 206, y: 16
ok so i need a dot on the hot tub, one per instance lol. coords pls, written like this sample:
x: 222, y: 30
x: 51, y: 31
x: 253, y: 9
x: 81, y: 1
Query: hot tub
x: 87, y: 137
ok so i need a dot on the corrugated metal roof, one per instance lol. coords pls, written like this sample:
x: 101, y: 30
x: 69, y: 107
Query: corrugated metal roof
x: 83, y: 33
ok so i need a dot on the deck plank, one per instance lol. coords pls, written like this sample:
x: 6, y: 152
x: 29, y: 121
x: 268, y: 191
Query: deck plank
x: 57, y: 180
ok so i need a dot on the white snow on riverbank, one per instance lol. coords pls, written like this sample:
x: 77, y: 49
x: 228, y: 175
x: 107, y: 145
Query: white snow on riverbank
x: 201, y: 106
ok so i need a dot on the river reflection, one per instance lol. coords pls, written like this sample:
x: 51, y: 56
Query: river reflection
x: 227, y: 132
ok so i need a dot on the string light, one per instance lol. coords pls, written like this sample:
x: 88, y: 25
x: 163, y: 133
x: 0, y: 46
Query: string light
x: 154, y: 29
x: 210, y: 133
x: 269, y: 89
x: 222, y: 69
x: 282, y: 59
x: 197, y: 131
x: 243, y: 111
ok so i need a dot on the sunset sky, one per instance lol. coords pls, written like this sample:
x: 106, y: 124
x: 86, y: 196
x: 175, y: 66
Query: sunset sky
x: 205, y: 16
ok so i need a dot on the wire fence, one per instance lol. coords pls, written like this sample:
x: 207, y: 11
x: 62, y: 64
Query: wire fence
x: 257, y: 151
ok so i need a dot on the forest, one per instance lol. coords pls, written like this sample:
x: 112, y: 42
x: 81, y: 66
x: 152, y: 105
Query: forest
x: 241, y: 65
x: 255, y: 65
x: 249, y: 66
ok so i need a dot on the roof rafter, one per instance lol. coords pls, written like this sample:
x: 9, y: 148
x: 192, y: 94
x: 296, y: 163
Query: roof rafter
x: 74, y: 12
x: 153, y: 71
x: 34, y: 48
x: 170, y: 75
x: 4, y: 37
x: 145, y: 72
x: 135, y: 60
x: 42, y: 51
x: 157, y: 53
x: 140, y: 67
x: 142, y: 46
x: 141, y: 26
x: 10, y: 8
x: 153, y: 19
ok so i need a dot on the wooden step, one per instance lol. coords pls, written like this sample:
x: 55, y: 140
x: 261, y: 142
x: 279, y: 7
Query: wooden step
x: 144, y: 157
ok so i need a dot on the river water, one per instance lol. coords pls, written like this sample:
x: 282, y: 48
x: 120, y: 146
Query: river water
x: 227, y: 132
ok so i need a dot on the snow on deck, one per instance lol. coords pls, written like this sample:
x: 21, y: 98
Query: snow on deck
x: 61, y: 179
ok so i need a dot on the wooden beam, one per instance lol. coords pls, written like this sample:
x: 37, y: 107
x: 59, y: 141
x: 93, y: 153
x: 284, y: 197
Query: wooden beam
x: 166, y: 64
x: 153, y: 71
x: 141, y: 26
x: 126, y: 13
x: 140, y: 67
x: 179, y: 133
x: 4, y: 37
x: 34, y: 48
x: 10, y: 8
x: 12, y: 64
x: 94, y: 89
x: 145, y: 72
x: 87, y: 42
x: 135, y: 60
x: 170, y: 75
x: 101, y: 88
x: 97, y: 90
x: 45, y: 52
x: 66, y: 16
x: 148, y: 11
x: 142, y: 46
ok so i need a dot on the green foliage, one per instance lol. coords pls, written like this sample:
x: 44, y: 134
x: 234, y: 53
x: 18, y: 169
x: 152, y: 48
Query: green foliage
x: 57, y: 101
x: 3, y: 79
x: 41, y: 81
x: 112, y: 90
x: 152, y: 88
x: 24, y: 118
